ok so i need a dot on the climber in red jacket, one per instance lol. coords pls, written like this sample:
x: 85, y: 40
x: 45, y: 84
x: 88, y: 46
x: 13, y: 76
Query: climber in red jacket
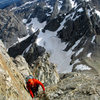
x: 32, y: 86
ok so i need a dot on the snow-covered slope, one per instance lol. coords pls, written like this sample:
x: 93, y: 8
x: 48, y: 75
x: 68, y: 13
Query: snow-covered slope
x: 55, y: 46
x: 67, y: 37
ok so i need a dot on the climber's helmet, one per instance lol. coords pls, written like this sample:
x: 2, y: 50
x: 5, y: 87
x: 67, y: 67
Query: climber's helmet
x: 29, y: 77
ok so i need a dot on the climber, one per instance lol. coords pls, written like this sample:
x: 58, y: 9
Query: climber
x: 32, y: 86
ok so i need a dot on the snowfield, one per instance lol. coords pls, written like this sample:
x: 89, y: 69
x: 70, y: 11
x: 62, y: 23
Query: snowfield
x: 82, y: 67
x: 55, y: 47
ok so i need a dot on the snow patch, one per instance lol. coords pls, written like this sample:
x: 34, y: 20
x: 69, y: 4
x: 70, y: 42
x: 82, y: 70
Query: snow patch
x: 61, y: 2
x: 87, y: 0
x: 89, y: 12
x: 76, y: 17
x: 13, y: 8
x: 55, y: 47
x: 47, y: 14
x: 89, y: 55
x: 24, y: 21
x: 30, y: 2
x: 59, y: 7
x: 35, y: 24
x: 92, y: 41
x: 23, y: 5
x: 97, y: 12
x: 82, y: 67
x: 79, y: 52
x: 27, y: 49
x: 80, y: 10
x: 22, y: 39
x: 62, y: 23
x: 76, y: 43
x: 72, y: 15
x: 76, y: 61
x: 73, y: 4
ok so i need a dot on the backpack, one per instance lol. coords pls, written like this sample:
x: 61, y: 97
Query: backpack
x: 29, y: 77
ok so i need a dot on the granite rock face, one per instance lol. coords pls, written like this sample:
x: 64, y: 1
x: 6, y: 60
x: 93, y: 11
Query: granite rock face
x: 33, y: 53
x: 11, y: 81
x: 10, y: 28
x: 22, y: 66
x: 13, y: 73
x: 76, y: 86
x: 20, y: 47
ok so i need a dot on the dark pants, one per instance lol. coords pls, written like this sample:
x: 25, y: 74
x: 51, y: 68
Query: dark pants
x: 35, y: 90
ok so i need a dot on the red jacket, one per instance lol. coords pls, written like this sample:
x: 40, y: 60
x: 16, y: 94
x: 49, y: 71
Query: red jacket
x: 36, y: 82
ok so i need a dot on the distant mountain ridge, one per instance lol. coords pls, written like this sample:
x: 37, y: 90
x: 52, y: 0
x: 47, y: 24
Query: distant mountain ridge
x: 6, y: 3
x: 75, y: 29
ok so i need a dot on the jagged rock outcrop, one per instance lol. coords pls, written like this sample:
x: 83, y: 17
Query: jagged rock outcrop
x: 33, y: 53
x: 55, y: 10
x: 22, y: 66
x: 76, y: 86
x: 66, y: 6
x: 72, y: 30
x: 11, y: 81
x: 49, y: 9
x: 34, y: 10
x: 96, y: 4
x: 20, y: 47
x: 10, y: 28
x: 54, y: 24
x: 45, y: 71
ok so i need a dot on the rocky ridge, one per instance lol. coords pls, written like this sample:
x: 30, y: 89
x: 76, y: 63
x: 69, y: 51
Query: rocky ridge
x: 76, y: 86
x: 22, y: 46
x: 14, y: 71
x: 48, y: 9
x: 10, y: 28
x: 45, y: 71
x: 11, y: 81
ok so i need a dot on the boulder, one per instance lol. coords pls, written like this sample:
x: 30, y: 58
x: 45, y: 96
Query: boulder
x: 22, y: 66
